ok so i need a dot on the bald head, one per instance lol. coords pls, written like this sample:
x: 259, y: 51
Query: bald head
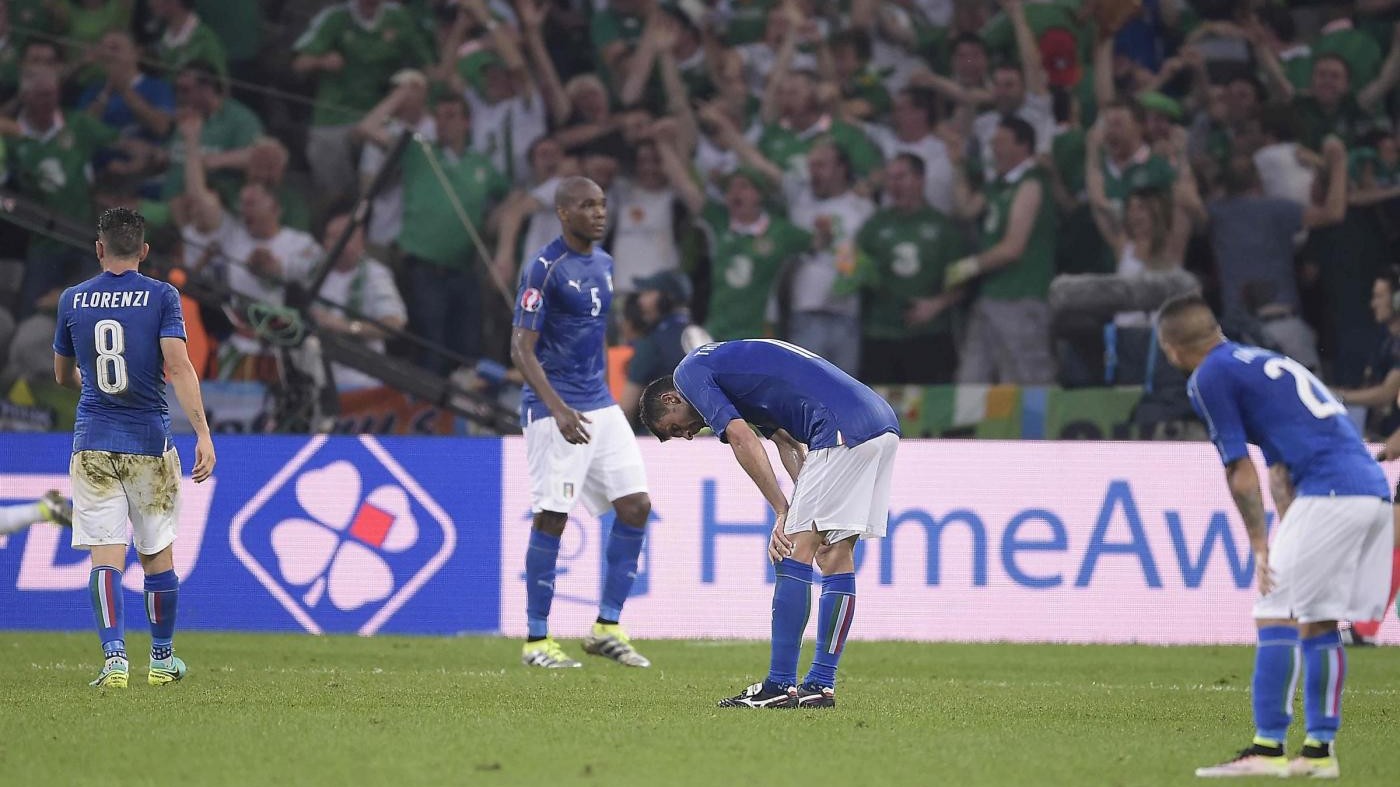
x: 582, y: 208
x: 573, y: 190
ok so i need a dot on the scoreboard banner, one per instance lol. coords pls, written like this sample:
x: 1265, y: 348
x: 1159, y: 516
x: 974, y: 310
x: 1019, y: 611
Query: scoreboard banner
x: 988, y: 541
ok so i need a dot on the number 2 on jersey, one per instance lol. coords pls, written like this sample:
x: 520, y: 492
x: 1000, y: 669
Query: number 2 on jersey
x: 1321, y: 405
x: 111, y: 364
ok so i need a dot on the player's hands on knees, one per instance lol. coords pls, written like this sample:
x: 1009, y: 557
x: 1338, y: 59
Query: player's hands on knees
x: 571, y: 423
x: 779, y: 546
x: 203, y: 460
x: 1263, y: 574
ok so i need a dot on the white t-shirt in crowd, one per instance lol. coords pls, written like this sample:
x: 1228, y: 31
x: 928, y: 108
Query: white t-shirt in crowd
x: 938, y: 168
x: 298, y: 253
x: 513, y: 124
x: 816, y: 272
x: 644, y: 242
x: 369, y: 289
x: 1037, y: 110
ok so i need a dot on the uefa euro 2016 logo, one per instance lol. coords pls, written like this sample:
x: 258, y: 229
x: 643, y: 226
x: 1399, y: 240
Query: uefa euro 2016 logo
x: 342, y: 541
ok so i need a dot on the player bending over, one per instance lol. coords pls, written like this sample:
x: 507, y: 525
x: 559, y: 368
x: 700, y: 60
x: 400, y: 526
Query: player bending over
x: 1331, y: 558
x: 578, y: 443
x: 124, y: 333
x: 53, y: 507
x: 837, y: 440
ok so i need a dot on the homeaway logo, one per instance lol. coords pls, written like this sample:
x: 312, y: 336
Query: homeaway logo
x: 342, y: 537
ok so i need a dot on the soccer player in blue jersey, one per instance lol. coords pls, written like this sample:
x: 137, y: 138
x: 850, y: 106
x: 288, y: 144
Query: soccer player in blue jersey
x: 1329, y: 561
x: 836, y: 439
x: 578, y: 443
x: 119, y: 334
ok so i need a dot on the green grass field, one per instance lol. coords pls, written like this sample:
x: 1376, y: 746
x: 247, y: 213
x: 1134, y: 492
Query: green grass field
x: 345, y: 711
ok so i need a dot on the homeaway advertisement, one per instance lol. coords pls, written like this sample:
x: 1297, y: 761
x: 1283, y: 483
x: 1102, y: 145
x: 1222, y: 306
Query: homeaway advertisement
x: 988, y: 541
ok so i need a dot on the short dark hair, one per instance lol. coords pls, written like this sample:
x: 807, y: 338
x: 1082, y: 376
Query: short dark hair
x: 206, y: 75
x: 122, y: 231
x: 915, y: 162
x: 1333, y: 56
x: 968, y: 38
x: 1186, y: 320
x: 925, y: 99
x: 1021, y: 131
x: 1133, y: 108
x: 651, y: 408
x: 857, y: 39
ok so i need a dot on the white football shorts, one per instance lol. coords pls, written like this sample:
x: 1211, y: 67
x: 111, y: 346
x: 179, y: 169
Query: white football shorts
x: 599, y: 471
x: 111, y: 488
x: 845, y: 490
x: 1331, y: 560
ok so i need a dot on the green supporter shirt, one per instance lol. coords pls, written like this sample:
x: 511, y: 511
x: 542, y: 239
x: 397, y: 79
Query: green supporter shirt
x: 201, y: 44
x: 56, y: 169
x: 743, y: 270
x: 232, y: 127
x: 1348, y: 121
x: 431, y: 228
x: 609, y: 26
x: 1029, y: 276
x: 788, y: 150
x: 1149, y: 171
x: 373, y: 52
x: 902, y: 257
x: 237, y: 23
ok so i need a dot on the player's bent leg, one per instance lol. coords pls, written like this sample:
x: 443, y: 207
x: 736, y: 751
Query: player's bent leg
x: 162, y: 601
x: 792, y: 605
x: 835, y: 611
x: 608, y: 639
x: 541, y: 560
x: 1324, y: 670
x: 1275, y: 677
x: 105, y: 586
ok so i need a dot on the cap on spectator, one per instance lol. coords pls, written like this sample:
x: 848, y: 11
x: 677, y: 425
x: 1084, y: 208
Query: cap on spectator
x: 671, y: 283
x: 1152, y: 101
x: 473, y: 67
x: 1060, y: 56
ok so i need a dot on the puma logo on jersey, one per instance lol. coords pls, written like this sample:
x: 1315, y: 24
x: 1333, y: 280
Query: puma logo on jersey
x: 575, y: 284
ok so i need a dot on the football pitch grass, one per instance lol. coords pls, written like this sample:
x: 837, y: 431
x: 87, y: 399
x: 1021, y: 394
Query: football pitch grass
x: 293, y: 709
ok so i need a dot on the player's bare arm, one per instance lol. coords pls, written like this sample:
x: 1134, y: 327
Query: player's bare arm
x: 1243, y: 479
x: 1281, y: 487
x: 748, y: 449
x: 186, y: 384
x: 65, y: 372
x: 522, y: 354
x: 791, y: 452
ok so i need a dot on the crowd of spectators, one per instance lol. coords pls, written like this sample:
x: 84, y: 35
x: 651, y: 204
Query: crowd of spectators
x: 923, y: 191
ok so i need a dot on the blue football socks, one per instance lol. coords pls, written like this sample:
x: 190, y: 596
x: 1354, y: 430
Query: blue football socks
x: 540, y: 560
x: 105, y: 584
x: 162, y: 597
x: 835, y: 612
x: 1275, y: 678
x: 792, y: 603
x: 624, y: 547
x: 1325, y: 670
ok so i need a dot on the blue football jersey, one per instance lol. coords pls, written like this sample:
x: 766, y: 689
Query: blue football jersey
x: 1250, y: 395
x: 565, y: 297
x: 112, y: 324
x: 773, y: 385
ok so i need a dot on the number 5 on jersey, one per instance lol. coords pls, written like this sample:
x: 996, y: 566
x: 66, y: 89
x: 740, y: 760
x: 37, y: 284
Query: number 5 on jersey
x: 110, y: 338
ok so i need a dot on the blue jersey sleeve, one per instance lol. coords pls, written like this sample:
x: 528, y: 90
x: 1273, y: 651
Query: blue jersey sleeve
x: 1212, y: 395
x: 172, y: 317
x: 697, y: 384
x: 62, y: 338
x: 531, y: 306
